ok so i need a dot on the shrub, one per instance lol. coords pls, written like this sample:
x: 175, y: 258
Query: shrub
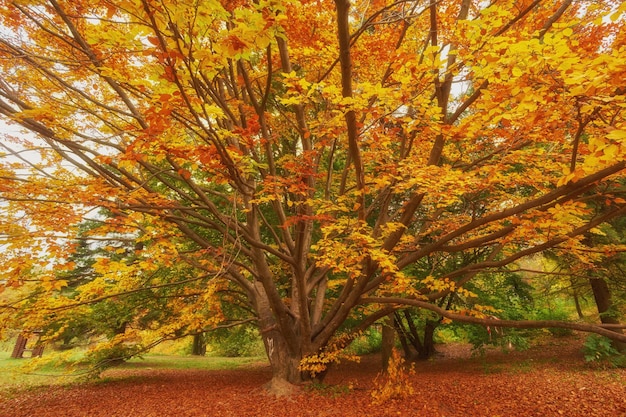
x: 236, y: 342
x: 505, y: 338
x: 450, y: 334
x: 555, y: 314
x: 369, y: 342
x: 599, y: 349
x: 109, y: 354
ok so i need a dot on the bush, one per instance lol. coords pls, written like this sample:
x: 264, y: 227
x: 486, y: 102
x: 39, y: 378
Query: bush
x: 369, y: 342
x: 178, y: 347
x: 599, y: 349
x: 516, y: 339
x: 236, y: 342
x: 450, y: 334
x: 557, y: 314
x: 107, y: 355
x: 505, y: 338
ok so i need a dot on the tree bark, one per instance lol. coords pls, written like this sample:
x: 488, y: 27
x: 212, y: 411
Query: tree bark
x: 198, y: 347
x: 428, y: 345
x: 285, y: 363
x: 579, y: 309
x: 284, y: 357
x: 389, y: 338
x: 402, y: 336
x: 602, y: 296
x: 424, y: 346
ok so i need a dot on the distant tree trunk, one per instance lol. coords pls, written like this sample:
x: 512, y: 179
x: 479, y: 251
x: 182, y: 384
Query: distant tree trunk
x: 579, y: 310
x: 388, y: 342
x: 406, y: 347
x: 428, y: 349
x: 199, y: 345
x: 602, y: 296
x: 424, y: 346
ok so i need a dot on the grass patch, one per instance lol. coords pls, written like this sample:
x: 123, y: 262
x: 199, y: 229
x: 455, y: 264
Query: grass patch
x: 331, y: 391
x: 17, y: 375
x: 29, y: 373
x: 191, y: 362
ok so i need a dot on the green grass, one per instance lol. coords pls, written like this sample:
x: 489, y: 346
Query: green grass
x: 332, y: 391
x: 31, y: 373
x: 191, y: 362
x: 24, y: 374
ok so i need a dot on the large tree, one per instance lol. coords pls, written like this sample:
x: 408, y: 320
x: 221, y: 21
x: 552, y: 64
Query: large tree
x: 300, y: 159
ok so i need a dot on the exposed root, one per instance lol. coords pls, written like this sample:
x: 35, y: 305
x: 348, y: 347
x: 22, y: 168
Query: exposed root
x: 279, y: 387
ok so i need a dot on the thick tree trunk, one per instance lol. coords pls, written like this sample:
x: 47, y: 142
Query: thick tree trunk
x: 284, y: 357
x: 602, y: 296
x: 284, y: 361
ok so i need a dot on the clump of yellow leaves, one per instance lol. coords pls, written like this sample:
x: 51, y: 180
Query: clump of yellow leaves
x: 333, y: 353
x: 445, y: 284
x: 395, y: 383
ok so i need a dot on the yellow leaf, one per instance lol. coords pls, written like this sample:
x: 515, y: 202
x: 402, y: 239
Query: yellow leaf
x: 611, y: 151
x: 615, y: 16
x: 597, y: 231
x: 617, y: 134
x: 59, y: 283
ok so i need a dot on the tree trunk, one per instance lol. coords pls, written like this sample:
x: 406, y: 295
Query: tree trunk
x: 428, y: 345
x: 424, y: 346
x: 284, y: 361
x: 198, y: 347
x: 579, y: 309
x: 602, y: 296
x: 388, y: 342
x: 404, y: 339
x: 284, y: 358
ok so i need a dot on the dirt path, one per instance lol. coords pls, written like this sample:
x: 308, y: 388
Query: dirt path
x: 549, y: 380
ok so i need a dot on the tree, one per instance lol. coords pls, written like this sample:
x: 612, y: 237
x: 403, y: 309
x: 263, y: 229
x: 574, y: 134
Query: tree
x: 607, y: 278
x: 301, y: 157
x: 601, y: 267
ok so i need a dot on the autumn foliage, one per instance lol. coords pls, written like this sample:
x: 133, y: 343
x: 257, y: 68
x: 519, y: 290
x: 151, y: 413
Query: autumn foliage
x: 295, y: 163
x: 395, y: 383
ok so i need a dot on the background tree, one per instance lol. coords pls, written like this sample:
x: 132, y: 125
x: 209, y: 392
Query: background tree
x: 305, y: 155
x: 598, y: 271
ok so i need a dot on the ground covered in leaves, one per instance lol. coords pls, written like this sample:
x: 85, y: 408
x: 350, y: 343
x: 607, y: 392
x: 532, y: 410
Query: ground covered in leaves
x: 550, y: 379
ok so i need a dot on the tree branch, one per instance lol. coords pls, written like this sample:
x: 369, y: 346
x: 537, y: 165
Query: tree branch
x: 601, y: 329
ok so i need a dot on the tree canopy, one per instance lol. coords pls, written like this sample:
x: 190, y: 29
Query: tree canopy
x: 298, y: 162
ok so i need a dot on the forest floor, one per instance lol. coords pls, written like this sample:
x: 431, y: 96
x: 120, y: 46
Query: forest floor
x: 550, y: 379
